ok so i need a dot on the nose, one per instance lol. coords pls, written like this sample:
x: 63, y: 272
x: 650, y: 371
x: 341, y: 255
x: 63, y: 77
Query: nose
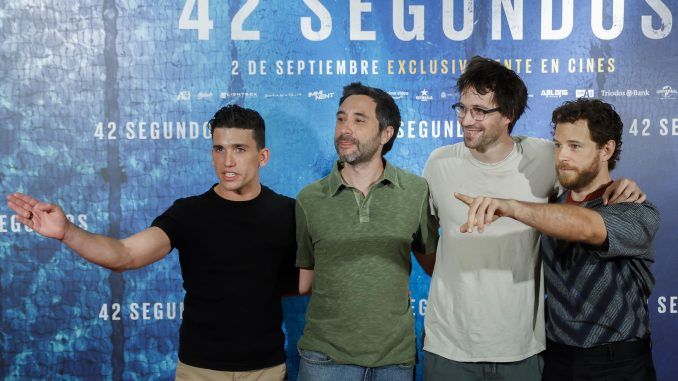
x: 229, y: 159
x: 561, y: 155
x: 343, y: 127
x: 467, y: 120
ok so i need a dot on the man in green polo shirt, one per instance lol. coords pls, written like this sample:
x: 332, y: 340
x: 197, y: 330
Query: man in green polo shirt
x: 355, y: 230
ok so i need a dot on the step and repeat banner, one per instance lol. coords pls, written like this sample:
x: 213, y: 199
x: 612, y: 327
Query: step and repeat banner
x: 104, y: 108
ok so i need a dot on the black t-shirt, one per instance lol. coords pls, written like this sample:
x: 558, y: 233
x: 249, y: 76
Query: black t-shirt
x: 237, y: 258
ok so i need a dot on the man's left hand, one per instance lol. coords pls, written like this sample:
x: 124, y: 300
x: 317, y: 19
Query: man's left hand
x: 623, y: 190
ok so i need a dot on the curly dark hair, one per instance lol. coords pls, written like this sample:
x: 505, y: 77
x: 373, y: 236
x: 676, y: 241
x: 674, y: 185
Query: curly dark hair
x: 234, y: 116
x: 603, y: 121
x: 388, y: 113
x: 486, y: 75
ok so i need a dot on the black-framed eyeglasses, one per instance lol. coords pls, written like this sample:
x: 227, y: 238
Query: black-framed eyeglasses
x: 476, y: 112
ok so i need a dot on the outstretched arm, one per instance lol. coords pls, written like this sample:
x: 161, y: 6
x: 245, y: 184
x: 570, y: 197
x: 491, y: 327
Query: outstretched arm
x: 49, y: 220
x: 566, y: 222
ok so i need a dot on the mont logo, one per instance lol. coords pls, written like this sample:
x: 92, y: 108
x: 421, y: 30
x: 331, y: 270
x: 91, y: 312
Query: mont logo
x: 320, y: 95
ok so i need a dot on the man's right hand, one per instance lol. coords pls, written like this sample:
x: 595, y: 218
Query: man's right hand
x: 482, y: 211
x: 46, y: 219
x: 136, y: 251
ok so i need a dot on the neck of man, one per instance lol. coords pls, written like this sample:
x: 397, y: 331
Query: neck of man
x: 495, y: 152
x: 363, y: 175
x: 243, y: 194
x: 601, y: 179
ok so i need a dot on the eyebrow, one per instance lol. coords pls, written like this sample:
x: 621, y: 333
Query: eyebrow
x: 360, y: 114
x: 475, y: 105
x: 230, y: 145
x: 568, y: 141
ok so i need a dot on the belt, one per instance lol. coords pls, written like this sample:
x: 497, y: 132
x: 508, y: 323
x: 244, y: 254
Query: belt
x: 622, y: 350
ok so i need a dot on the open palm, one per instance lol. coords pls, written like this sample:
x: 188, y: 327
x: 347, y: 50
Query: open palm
x: 46, y: 219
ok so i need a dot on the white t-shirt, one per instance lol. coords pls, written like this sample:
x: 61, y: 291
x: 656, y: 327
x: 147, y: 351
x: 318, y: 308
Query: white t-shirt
x: 486, y: 301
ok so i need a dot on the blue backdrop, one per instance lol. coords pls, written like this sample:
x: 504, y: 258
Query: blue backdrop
x: 103, y: 106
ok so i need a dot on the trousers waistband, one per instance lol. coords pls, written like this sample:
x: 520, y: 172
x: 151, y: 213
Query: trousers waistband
x: 611, y: 351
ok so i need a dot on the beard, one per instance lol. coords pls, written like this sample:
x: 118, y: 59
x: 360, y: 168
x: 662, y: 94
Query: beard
x: 489, y: 137
x: 363, y: 151
x: 580, y: 179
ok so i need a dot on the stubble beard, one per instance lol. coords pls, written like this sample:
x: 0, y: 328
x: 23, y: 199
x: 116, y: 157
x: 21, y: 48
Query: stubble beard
x: 363, y: 152
x: 486, y: 140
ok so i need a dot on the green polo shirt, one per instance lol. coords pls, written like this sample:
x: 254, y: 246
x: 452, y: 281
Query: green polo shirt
x: 359, y: 247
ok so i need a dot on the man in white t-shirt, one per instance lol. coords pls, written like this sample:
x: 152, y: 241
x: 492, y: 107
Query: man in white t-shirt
x: 485, y: 315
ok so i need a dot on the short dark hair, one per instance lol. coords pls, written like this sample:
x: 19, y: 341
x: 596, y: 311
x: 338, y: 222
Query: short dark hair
x: 603, y: 121
x: 234, y: 116
x: 387, y: 111
x: 510, y: 92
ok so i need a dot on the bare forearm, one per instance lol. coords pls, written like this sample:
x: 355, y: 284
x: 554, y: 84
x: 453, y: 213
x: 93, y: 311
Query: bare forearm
x: 305, y: 280
x: 566, y: 222
x: 101, y: 250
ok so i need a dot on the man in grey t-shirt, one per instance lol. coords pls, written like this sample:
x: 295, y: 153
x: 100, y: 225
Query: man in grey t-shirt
x: 485, y: 316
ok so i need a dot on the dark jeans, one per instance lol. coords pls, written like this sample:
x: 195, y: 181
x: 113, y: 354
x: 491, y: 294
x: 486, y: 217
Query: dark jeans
x: 623, y: 361
x: 438, y: 368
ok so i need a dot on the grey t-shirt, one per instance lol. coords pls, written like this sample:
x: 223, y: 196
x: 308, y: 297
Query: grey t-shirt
x: 486, y: 301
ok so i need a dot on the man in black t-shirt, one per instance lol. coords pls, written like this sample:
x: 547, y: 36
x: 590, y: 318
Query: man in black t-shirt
x: 236, y: 249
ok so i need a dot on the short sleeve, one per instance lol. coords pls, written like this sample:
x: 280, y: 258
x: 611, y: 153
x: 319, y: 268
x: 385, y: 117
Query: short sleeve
x: 304, y: 241
x: 433, y: 208
x: 169, y: 223
x: 426, y: 239
x: 630, y: 230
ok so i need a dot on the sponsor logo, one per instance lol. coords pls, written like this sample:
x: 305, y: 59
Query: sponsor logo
x: 446, y: 94
x: 667, y: 92
x: 224, y: 95
x: 554, y: 93
x: 584, y: 93
x: 184, y: 95
x: 281, y: 95
x: 625, y: 93
x: 423, y: 96
x: 399, y: 94
x: 204, y: 95
x: 320, y: 95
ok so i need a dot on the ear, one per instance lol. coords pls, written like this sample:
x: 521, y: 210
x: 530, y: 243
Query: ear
x: 505, y: 121
x: 386, y: 134
x: 607, y: 150
x: 264, y: 156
